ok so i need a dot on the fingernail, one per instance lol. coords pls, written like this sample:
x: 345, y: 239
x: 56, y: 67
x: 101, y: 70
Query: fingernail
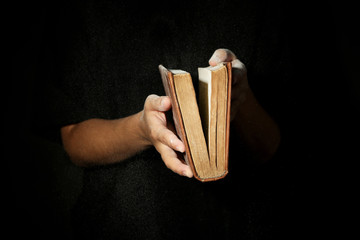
x: 181, y: 148
x: 176, y: 144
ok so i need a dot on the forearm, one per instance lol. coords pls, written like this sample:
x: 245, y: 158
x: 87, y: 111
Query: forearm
x: 100, y: 141
x: 257, y: 129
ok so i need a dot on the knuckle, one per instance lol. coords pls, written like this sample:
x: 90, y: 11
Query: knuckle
x: 151, y: 96
x: 221, y: 53
x: 170, y: 165
x: 228, y: 52
x: 166, y: 162
x: 238, y: 64
x: 224, y: 55
x: 165, y: 137
x: 153, y: 132
x: 159, y: 135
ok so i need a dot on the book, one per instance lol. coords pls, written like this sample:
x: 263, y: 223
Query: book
x: 203, y: 123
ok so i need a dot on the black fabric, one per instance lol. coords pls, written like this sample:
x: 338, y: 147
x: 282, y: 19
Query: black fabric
x: 108, y: 74
x: 108, y: 53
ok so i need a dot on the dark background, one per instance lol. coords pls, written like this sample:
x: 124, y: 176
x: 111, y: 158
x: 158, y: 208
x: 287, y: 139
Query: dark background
x: 43, y: 184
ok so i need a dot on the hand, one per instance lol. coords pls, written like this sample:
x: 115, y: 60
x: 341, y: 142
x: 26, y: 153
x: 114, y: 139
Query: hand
x: 156, y: 130
x: 240, y: 85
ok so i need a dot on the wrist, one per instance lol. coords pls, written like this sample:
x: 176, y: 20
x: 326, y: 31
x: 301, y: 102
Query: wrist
x: 142, y: 129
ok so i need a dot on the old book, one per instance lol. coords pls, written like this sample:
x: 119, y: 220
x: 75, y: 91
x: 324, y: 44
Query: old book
x: 202, y: 123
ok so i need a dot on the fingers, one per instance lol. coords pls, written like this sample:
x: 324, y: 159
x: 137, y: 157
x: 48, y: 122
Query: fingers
x: 221, y: 55
x: 171, y: 161
x: 239, y: 71
x: 157, y: 124
x: 160, y: 135
x: 167, y: 137
x: 238, y: 64
x: 240, y: 84
x: 225, y: 55
x: 166, y: 144
x: 156, y: 103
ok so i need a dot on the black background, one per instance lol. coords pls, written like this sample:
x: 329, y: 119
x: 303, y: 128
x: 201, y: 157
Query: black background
x: 43, y: 184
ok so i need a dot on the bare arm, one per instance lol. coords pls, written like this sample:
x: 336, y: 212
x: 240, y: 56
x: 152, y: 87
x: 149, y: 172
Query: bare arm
x: 251, y: 122
x: 100, y: 141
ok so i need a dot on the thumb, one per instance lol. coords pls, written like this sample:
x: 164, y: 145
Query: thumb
x: 221, y: 55
x: 156, y: 103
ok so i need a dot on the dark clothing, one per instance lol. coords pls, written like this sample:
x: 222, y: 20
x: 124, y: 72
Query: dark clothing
x: 108, y: 74
x: 111, y: 71
x: 113, y: 49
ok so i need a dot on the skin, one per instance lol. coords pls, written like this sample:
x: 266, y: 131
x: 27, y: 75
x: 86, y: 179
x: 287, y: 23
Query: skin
x: 100, y: 142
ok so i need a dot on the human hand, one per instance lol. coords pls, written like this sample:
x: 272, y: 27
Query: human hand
x: 240, y: 85
x: 157, y: 130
